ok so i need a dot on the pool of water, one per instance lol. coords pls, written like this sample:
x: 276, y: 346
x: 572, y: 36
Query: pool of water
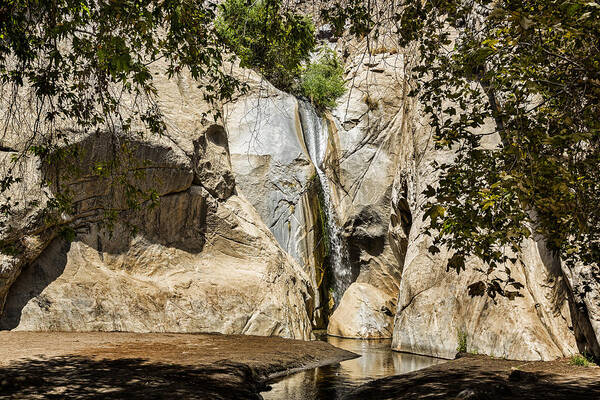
x: 331, y: 382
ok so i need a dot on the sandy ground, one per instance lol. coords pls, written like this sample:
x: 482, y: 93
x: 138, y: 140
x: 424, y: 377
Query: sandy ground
x: 54, y: 365
x: 102, y: 365
x: 479, y: 377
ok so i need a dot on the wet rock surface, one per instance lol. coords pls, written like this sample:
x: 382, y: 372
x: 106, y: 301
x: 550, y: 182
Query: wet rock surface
x: 274, y: 172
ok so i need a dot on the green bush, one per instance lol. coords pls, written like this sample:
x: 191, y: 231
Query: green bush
x: 462, y: 342
x: 266, y: 38
x: 322, y: 81
x: 277, y: 44
x: 581, y: 360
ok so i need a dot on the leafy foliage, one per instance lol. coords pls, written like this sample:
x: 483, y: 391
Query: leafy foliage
x: 530, y: 71
x: 581, y: 361
x: 267, y: 38
x: 278, y: 43
x: 73, y: 66
x: 356, y: 16
x: 528, y: 74
x: 462, y: 342
x: 72, y: 53
x: 322, y: 81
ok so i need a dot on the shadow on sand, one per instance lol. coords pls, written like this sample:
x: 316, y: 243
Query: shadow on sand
x: 475, y: 384
x: 74, y: 377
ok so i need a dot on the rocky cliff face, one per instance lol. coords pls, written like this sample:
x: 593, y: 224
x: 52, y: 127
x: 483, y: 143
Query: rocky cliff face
x: 434, y: 311
x: 273, y: 170
x: 201, y: 260
x: 271, y: 140
x: 435, y: 315
x: 377, y: 164
x: 242, y: 239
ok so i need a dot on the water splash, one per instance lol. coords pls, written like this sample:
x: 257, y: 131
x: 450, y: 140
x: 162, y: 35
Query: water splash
x: 316, y: 135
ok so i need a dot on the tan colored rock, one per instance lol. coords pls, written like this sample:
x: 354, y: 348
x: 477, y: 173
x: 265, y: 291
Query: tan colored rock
x: 434, y: 308
x: 204, y: 259
x: 164, y: 286
x: 362, y: 164
x: 201, y: 260
x: 584, y: 295
x: 365, y: 312
x: 274, y: 172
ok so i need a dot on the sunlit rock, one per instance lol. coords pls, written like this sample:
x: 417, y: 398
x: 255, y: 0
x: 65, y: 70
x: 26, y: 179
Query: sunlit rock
x: 365, y: 312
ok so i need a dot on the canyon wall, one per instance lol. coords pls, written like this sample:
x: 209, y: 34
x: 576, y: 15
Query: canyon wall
x: 201, y: 260
x: 436, y: 315
x: 377, y: 163
x: 273, y: 138
x: 281, y: 220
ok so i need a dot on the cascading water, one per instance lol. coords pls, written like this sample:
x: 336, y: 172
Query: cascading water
x: 316, y: 134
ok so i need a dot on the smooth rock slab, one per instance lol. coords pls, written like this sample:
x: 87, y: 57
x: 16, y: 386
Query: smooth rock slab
x: 201, y: 260
x: 151, y: 286
x: 365, y: 312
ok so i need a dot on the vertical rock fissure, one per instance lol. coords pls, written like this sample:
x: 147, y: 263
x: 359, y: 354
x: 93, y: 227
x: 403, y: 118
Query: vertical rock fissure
x: 316, y: 135
x: 321, y: 255
x: 401, y: 221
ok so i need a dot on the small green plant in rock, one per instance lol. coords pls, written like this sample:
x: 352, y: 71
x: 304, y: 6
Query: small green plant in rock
x: 462, y: 342
x: 581, y: 361
x: 278, y: 43
x: 323, y: 80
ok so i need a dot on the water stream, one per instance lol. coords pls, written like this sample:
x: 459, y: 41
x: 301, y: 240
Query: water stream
x: 376, y: 360
x: 332, y: 382
x: 316, y: 135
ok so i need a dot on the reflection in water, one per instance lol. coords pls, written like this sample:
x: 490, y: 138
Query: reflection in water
x: 333, y: 381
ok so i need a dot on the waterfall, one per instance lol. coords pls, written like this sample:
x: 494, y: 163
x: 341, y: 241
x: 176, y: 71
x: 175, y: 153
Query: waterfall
x: 316, y: 135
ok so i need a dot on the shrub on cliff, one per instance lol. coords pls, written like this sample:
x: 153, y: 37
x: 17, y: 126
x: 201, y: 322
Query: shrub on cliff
x: 265, y: 37
x: 278, y: 43
x: 322, y: 81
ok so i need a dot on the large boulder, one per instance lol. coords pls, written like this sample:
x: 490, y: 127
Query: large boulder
x: 200, y: 259
x: 435, y: 314
x: 365, y: 312
x: 164, y: 280
x: 275, y: 173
